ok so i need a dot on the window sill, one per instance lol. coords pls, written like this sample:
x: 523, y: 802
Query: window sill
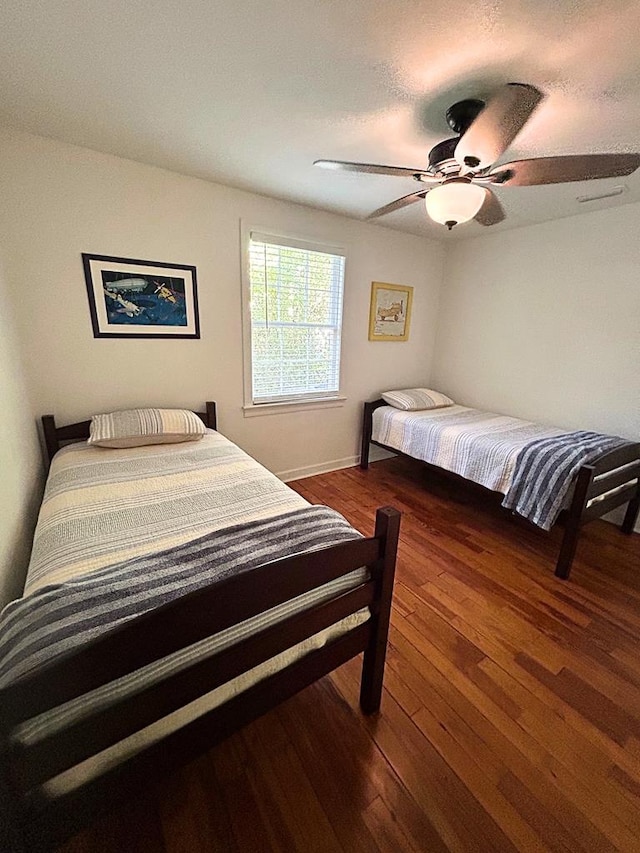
x: 254, y: 411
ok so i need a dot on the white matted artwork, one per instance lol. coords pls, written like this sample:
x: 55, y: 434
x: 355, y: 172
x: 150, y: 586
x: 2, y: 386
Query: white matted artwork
x: 390, y: 312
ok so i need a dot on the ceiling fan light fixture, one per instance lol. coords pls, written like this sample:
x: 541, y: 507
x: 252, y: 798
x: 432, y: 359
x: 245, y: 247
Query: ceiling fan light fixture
x: 454, y: 202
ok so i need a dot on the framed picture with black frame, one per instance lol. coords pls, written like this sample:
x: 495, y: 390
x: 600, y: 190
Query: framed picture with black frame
x: 130, y: 298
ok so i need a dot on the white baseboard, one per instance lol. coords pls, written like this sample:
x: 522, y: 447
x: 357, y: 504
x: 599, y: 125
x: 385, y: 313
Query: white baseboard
x: 376, y: 454
x: 320, y: 468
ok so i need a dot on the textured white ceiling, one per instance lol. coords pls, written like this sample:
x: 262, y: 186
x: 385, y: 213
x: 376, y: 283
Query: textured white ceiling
x: 250, y: 93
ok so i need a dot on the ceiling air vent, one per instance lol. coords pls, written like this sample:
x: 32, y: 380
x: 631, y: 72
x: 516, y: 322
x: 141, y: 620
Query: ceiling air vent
x: 614, y: 191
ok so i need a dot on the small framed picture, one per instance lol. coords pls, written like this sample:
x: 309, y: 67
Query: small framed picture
x: 141, y: 299
x: 390, y: 312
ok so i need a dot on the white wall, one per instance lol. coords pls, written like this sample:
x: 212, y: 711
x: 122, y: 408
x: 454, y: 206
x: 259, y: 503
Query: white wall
x: 20, y: 459
x: 59, y: 201
x: 544, y: 323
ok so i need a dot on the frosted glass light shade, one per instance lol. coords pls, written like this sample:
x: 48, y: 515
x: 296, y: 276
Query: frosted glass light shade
x: 454, y: 203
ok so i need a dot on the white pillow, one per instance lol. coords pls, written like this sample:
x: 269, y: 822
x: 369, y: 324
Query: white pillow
x: 416, y: 399
x: 137, y: 427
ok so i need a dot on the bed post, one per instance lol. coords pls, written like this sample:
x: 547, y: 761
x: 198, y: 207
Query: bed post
x: 50, y: 437
x: 367, y: 425
x: 572, y: 526
x: 212, y: 418
x: 367, y: 429
x: 388, y: 528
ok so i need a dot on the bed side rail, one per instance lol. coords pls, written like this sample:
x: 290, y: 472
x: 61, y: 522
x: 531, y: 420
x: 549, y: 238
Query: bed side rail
x: 55, y: 436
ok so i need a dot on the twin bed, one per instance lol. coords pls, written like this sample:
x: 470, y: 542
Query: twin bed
x: 175, y: 592
x: 543, y: 472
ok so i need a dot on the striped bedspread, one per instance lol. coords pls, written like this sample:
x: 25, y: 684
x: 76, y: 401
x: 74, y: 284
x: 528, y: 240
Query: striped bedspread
x: 479, y: 446
x: 102, y: 506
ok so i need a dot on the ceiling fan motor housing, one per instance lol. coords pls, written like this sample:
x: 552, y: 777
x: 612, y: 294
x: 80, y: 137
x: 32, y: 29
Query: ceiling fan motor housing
x: 461, y: 114
x: 459, y: 118
x: 441, y: 157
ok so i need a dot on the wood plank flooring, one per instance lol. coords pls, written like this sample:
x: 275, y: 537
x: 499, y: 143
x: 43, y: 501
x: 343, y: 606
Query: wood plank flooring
x: 511, y: 714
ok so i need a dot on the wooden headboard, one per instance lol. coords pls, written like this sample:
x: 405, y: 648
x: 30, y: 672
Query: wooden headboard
x: 55, y: 436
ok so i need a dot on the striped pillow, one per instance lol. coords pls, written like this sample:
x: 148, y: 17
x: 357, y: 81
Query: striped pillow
x: 415, y: 399
x: 136, y: 427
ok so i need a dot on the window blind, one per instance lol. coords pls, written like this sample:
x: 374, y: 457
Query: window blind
x: 296, y: 319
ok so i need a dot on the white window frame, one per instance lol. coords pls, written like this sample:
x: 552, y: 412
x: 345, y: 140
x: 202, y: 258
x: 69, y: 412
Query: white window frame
x: 298, y: 403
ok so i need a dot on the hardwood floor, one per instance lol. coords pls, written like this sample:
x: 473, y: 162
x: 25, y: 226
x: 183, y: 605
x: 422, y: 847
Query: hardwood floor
x: 511, y: 714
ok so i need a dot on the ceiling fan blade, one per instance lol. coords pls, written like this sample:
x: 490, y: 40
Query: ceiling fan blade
x: 560, y: 170
x: 398, y: 204
x: 375, y: 169
x: 497, y: 125
x: 491, y: 211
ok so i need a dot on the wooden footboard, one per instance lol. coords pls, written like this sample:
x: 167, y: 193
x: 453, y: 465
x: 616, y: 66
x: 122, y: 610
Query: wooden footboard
x: 607, y: 484
x: 35, y: 820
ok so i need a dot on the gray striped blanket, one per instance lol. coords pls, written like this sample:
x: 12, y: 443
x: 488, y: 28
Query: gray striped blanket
x: 545, y: 471
x: 57, y: 618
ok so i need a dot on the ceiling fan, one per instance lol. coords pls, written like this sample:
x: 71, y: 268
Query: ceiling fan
x: 461, y: 170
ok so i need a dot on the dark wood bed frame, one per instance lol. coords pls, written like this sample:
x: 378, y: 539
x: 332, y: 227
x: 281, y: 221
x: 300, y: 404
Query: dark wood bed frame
x: 30, y: 820
x: 592, y: 481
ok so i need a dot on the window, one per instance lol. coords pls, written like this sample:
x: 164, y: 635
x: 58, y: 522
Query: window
x: 295, y: 319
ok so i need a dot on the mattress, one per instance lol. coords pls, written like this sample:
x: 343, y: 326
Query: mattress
x: 479, y: 446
